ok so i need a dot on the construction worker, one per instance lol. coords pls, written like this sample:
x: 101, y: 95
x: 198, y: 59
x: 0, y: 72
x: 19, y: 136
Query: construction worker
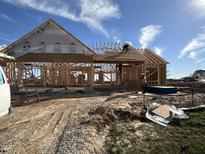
x: 143, y: 82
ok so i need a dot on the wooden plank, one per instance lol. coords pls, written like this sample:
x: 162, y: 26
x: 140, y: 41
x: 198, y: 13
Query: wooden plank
x: 163, y: 111
x: 153, y: 56
x: 159, y: 75
x: 54, y: 57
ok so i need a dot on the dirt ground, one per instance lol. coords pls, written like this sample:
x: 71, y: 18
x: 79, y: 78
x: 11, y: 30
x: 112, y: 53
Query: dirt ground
x: 67, y: 125
x: 39, y: 127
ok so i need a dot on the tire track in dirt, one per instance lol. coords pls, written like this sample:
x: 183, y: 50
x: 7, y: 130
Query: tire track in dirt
x: 40, y: 127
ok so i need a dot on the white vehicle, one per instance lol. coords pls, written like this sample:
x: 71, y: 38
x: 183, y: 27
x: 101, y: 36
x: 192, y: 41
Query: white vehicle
x: 5, y: 94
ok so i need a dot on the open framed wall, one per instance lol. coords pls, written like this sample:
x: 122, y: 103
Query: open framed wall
x: 50, y: 74
x: 107, y: 68
x: 127, y: 67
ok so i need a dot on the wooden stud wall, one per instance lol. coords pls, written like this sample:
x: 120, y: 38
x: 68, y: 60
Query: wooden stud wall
x: 77, y: 74
x: 67, y: 74
x: 50, y: 74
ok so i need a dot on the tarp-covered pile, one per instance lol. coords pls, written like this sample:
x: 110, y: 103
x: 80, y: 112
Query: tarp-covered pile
x: 164, y: 114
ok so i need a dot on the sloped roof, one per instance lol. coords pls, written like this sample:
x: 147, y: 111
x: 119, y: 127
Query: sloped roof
x: 135, y: 55
x: 132, y: 55
x: 49, y: 38
x: 152, y: 57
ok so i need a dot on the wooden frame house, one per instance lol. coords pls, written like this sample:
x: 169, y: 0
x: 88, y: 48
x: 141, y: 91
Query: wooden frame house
x: 50, y: 56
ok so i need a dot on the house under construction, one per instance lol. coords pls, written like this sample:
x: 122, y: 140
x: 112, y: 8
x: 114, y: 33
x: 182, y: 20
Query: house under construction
x: 50, y: 56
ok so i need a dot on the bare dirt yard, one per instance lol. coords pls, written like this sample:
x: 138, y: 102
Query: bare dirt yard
x: 97, y: 123
x: 53, y: 126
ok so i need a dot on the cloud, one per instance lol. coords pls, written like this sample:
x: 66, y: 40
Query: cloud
x: 116, y: 38
x: 193, y: 55
x: 194, y: 47
x: 90, y: 12
x: 148, y: 34
x: 198, y: 7
x: 7, y: 17
x: 199, y: 60
x: 158, y: 51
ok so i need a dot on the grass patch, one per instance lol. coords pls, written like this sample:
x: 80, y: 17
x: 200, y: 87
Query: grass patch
x: 184, y: 136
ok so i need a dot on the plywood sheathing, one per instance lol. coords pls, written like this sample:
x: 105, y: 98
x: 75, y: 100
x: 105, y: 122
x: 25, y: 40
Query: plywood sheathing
x: 163, y: 111
x: 55, y: 57
x: 129, y: 56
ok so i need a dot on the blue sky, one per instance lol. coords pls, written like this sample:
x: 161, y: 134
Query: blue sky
x: 174, y: 29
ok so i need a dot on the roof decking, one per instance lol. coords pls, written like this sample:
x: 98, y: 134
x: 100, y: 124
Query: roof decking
x: 133, y: 55
x: 129, y: 56
x: 152, y: 57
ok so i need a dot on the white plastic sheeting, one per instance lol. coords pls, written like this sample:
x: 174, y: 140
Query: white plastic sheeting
x: 174, y: 113
x: 49, y: 37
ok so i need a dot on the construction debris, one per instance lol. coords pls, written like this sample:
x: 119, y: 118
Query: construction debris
x: 164, y: 114
x: 163, y: 111
x: 104, y: 116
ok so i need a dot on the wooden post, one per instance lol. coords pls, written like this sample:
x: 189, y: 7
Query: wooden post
x: 91, y: 75
x: 66, y: 75
x: 111, y: 77
x: 20, y: 74
x: 101, y: 77
x: 44, y: 75
x: 133, y: 72
x: 14, y: 72
x: 165, y: 71
x: 159, y: 75
x: 120, y: 74
x: 142, y: 69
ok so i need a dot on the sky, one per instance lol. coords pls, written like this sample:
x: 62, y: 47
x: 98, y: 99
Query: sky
x: 174, y: 29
